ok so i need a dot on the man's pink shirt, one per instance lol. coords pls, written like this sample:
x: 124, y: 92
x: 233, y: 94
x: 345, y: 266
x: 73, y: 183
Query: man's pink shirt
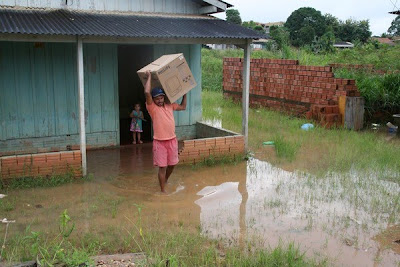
x: 163, y: 120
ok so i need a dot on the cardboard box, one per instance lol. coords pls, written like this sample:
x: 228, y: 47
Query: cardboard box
x: 172, y: 73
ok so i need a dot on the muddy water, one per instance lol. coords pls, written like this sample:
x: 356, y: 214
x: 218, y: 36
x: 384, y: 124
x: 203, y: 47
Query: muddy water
x: 338, y: 217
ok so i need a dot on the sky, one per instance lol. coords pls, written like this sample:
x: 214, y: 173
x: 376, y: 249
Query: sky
x: 376, y: 11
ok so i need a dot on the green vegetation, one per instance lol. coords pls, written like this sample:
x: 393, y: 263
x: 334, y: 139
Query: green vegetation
x: 285, y: 149
x: 317, y: 151
x: 233, y: 15
x: 33, y: 182
x: 381, y: 92
x: 394, y: 28
x: 304, y: 24
x: 50, y: 250
x: 176, y: 247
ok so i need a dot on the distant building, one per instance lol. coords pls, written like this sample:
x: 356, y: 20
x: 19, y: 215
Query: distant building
x: 384, y: 40
x: 267, y: 26
x: 343, y: 45
x: 259, y: 44
x: 221, y: 46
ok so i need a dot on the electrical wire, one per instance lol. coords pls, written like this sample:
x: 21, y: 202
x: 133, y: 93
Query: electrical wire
x: 394, y: 5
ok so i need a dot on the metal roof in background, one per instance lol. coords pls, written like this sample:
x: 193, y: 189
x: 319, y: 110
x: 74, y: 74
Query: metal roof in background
x: 66, y: 23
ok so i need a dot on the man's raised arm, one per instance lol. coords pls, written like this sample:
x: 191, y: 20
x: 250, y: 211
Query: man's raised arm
x: 182, y: 106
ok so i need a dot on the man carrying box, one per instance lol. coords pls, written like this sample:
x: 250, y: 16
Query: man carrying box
x: 165, y: 144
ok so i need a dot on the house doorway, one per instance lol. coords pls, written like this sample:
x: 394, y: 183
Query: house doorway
x: 131, y: 58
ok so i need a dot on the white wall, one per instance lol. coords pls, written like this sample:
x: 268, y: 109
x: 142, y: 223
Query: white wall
x: 164, y: 6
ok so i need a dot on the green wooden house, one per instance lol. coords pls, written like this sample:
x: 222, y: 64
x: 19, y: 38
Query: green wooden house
x: 68, y: 68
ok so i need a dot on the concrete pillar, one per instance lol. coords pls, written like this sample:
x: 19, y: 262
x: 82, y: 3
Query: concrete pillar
x: 81, y: 89
x: 245, y: 93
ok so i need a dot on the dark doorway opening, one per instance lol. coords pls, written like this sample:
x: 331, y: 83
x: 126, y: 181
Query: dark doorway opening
x: 131, y: 58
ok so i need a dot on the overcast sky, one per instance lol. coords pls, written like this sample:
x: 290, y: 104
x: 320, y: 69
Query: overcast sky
x: 376, y: 11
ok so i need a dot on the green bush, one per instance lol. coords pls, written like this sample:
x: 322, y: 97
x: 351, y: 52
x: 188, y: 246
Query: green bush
x: 381, y: 92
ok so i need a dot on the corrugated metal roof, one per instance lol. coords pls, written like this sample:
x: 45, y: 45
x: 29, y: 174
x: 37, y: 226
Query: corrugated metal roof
x: 65, y: 22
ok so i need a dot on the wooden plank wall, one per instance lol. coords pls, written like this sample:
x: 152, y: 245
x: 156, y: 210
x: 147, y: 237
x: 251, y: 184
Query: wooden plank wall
x: 162, y: 6
x: 192, y: 54
x: 38, y: 88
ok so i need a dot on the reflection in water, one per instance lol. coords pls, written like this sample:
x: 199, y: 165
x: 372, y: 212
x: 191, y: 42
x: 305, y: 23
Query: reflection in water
x: 220, y: 211
x: 334, y: 216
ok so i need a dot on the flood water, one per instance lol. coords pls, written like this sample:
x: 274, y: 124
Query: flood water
x: 338, y: 216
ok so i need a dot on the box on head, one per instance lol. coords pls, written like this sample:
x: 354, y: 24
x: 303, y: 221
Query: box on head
x: 172, y: 73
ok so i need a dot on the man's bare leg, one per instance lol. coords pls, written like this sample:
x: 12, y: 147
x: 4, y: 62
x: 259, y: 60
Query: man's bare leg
x: 170, y: 168
x: 162, y: 177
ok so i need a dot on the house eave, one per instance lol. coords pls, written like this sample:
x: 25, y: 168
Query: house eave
x: 117, y: 40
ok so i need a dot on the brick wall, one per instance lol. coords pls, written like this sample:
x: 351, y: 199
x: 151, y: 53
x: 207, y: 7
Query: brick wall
x: 211, y: 142
x: 284, y: 85
x: 198, y: 150
x: 43, y: 164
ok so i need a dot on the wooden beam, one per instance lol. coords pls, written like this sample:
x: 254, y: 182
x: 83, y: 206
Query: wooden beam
x: 245, y: 94
x: 81, y: 89
x: 217, y: 3
x: 208, y: 10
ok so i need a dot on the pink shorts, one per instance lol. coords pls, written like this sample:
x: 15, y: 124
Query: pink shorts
x: 165, y: 153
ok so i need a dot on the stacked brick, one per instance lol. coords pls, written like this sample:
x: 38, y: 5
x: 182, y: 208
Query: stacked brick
x: 199, y: 150
x: 327, y: 115
x: 41, y: 165
x: 284, y: 85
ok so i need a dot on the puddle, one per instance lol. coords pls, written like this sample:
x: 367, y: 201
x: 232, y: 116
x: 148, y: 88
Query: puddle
x: 340, y: 216
x: 220, y: 211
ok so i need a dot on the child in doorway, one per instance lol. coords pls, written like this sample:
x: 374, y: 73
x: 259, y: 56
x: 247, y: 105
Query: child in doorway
x: 165, y: 144
x: 136, y: 123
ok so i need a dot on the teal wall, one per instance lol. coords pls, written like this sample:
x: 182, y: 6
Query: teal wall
x: 39, y: 95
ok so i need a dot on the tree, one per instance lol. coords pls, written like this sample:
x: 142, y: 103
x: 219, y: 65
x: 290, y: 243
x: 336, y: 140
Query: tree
x: 352, y: 30
x: 304, y: 24
x: 280, y: 35
x: 254, y: 26
x: 233, y: 15
x: 259, y: 28
x: 394, y: 28
x: 325, y: 43
x: 333, y: 22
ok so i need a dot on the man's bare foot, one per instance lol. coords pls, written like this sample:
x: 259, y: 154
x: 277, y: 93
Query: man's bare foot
x: 134, y: 142
x: 140, y: 142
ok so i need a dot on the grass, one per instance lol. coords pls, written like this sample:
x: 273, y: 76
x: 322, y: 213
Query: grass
x: 36, y: 182
x: 174, y: 247
x: 317, y: 151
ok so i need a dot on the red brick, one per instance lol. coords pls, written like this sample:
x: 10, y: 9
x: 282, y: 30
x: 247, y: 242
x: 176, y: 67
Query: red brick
x: 199, y: 143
